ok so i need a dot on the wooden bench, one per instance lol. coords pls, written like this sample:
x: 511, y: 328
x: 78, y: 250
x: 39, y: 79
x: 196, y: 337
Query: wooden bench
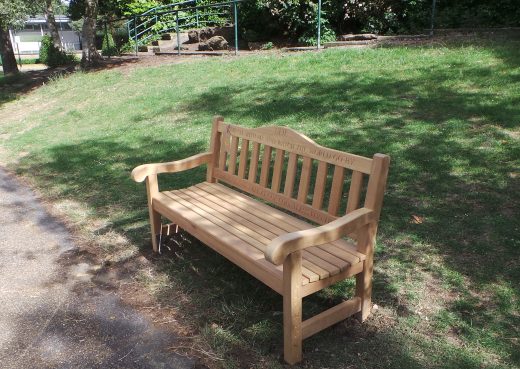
x: 294, y: 257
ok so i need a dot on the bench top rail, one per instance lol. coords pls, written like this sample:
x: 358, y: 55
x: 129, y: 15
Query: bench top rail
x: 287, y: 139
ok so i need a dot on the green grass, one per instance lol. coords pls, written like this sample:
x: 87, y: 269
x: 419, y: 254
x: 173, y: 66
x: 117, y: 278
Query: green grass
x: 449, y: 116
x: 26, y: 60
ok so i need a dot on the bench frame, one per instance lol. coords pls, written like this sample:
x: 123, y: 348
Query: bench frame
x: 359, y: 223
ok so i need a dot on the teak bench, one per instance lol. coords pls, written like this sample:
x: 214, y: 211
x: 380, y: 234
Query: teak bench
x: 293, y: 257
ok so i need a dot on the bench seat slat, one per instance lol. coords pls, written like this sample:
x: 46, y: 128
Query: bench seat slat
x: 217, y: 220
x: 235, y: 230
x: 224, y: 212
x: 240, y: 221
x: 242, y: 228
x: 226, y: 244
x: 321, y: 258
x: 272, y: 215
x: 238, y: 227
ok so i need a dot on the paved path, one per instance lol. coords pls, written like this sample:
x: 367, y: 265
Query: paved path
x: 51, y: 314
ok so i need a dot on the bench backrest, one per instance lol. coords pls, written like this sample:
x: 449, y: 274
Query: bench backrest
x: 289, y: 170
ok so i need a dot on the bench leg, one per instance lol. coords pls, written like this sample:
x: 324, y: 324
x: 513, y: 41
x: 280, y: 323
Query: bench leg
x: 366, y: 243
x: 152, y: 189
x: 292, y: 308
x: 155, y: 225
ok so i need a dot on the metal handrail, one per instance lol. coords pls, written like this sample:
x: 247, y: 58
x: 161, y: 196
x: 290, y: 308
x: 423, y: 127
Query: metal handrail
x: 142, y: 31
x: 152, y: 12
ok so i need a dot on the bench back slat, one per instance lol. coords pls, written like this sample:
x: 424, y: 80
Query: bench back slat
x: 242, y: 165
x: 277, y: 170
x: 253, y: 168
x: 319, y: 185
x: 266, y: 165
x: 292, y: 166
x: 224, y: 148
x: 233, y: 151
x: 354, y: 193
x: 305, y: 179
x: 215, y: 148
x: 336, y: 190
x: 321, y: 174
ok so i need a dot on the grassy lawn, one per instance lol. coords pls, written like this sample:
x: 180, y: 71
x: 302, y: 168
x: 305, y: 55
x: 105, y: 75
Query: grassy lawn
x: 447, y: 277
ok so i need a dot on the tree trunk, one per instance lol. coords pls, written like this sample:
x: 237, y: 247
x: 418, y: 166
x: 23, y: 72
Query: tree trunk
x: 90, y: 55
x: 6, y: 50
x: 51, y: 23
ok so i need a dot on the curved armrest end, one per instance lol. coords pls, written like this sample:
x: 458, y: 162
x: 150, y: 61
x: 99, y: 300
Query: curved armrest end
x: 140, y: 173
x: 274, y: 252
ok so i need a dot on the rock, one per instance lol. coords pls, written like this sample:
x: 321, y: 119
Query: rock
x: 227, y: 32
x: 203, y: 46
x: 359, y: 37
x: 217, y: 43
x: 206, y: 34
x: 193, y: 37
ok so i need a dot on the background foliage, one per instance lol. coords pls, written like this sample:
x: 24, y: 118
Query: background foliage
x: 266, y: 20
x: 262, y: 19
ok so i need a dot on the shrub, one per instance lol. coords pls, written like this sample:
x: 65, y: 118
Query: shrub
x: 311, y: 37
x: 267, y: 46
x: 296, y: 19
x: 256, y: 21
x: 128, y: 47
x: 109, y: 47
x: 52, y: 56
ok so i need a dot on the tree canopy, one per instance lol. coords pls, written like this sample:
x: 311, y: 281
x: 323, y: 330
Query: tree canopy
x: 14, y: 12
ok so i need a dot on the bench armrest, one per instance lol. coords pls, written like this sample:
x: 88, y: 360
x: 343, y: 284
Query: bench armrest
x: 140, y: 173
x: 281, y: 246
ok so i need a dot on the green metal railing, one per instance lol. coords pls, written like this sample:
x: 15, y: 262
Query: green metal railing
x: 180, y: 16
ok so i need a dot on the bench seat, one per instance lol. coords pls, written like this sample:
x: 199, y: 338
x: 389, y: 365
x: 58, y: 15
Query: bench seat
x: 246, y: 226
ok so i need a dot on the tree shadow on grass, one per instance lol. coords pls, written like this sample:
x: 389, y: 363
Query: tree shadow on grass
x: 12, y: 86
x: 232, y: 309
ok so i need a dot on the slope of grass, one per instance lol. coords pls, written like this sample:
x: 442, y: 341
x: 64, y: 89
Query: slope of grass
x: 447, y: 263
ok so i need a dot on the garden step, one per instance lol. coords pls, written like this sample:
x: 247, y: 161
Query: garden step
x: 168, y: 36
x: 183, y: 52
x: 171, y: 42
x: 349, y: 43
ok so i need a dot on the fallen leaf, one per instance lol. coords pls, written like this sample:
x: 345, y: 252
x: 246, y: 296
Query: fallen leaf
x: 416, y: 219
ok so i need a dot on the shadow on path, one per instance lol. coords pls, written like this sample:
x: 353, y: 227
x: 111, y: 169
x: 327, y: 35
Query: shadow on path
x: 57, y: 309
